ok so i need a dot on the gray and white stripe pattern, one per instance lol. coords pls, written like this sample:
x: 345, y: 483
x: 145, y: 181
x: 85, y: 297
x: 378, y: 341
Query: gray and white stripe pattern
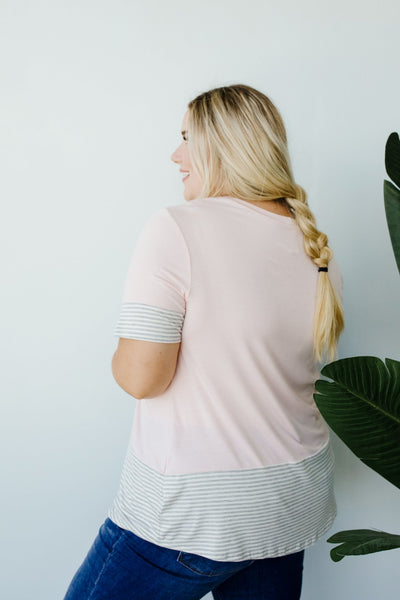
x: 150, y: 323
x: 229, y: 515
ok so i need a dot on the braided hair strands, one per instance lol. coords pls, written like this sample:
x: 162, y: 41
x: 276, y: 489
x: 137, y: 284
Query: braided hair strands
x: 328, y: 316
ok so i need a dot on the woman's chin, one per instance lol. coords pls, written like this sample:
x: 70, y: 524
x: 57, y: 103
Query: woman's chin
x: 191, y: 192
x: 188, y: 195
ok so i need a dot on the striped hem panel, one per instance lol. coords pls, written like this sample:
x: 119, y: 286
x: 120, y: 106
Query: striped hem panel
x: 150, y: 323
x: 229, y: 515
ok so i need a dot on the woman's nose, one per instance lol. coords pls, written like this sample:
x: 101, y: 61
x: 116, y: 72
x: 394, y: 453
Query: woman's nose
x: 176, y: 155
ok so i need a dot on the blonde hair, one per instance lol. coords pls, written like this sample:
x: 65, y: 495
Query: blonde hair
x: 238, y: 147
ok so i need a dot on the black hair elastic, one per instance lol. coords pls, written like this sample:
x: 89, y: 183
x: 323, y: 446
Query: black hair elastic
x: 323, y: 269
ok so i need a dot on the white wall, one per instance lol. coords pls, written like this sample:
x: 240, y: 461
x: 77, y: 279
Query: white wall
x: 93, y: 93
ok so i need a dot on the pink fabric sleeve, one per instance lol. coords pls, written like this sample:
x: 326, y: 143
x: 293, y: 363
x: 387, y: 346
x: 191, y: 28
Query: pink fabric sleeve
x: 157, y: 283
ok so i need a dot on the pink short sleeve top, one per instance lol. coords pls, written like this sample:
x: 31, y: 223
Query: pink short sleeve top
x: 233, y: 460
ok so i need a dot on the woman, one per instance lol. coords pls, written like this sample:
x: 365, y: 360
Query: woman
x: 227, y: 310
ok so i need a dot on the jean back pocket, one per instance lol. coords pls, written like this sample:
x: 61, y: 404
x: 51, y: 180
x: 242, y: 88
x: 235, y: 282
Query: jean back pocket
x: 208, y: 567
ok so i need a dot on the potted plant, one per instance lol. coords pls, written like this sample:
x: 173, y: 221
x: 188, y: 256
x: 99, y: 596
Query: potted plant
x: 361, y: 403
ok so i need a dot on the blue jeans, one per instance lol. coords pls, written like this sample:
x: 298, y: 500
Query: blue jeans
x: 122, y: 566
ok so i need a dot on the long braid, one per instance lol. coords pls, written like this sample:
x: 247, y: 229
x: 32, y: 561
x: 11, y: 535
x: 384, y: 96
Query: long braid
x: 328, y: 316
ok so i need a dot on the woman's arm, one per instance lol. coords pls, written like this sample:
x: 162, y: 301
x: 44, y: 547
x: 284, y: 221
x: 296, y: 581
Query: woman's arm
x: 144, y: 369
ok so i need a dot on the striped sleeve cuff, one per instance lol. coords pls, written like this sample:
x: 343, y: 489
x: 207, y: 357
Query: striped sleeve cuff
x: 150, y: 323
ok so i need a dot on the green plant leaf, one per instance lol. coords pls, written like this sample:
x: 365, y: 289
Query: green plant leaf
x: 362, y: 541
x: 362, y: 405
x: 392, y: 208
x: 392, y: 158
